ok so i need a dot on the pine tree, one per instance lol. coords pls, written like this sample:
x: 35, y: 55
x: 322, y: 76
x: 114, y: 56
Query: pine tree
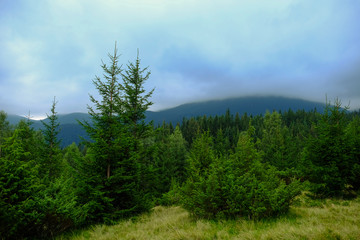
x: 107, y: 116
x: 20, y: 184
x: 136, y: 99
x: 273, y: 141
x: 237, y: 185
x: 172, y: 165
x: 50, y: 132
x: 328, y: 154
x: 109, y: 185
x: 353, y: 134
x: 4, y: 128
x: 135, y: 103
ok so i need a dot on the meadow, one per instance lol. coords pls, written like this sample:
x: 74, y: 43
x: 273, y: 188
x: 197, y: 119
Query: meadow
x: 307, y: 219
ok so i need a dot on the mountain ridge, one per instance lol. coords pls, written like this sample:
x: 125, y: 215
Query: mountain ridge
x: 253, y: 105
x: 71, y: 130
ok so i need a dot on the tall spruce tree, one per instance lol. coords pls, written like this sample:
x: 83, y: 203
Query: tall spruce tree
x: 136, y: 102
x: 328, y: 153
x: 107, y: 114
x: 50, y: 132
x: 109, y: 186
x: 136, y: 99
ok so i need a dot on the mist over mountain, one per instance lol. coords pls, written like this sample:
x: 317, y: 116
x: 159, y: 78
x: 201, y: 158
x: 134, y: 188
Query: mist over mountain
x: 71, y: 130
x: 250, y: 105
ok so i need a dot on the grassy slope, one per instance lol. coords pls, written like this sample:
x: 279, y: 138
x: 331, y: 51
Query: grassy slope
x: 330, y: 219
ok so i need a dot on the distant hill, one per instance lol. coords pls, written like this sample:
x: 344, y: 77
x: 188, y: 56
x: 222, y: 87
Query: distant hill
x: 249, y: 105
x: 14, y: 119
x: 71, y: 130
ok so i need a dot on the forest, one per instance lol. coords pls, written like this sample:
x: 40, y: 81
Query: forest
x: 229, y: 166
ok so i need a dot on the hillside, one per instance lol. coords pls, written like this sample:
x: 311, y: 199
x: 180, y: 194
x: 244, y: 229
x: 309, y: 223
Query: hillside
x: 71, y: 130
x: 249, y: 105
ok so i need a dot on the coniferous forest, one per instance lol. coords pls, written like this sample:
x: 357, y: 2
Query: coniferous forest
x: 225, y: 167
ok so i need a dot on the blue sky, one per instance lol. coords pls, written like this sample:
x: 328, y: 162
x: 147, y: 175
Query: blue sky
x: 196, y: 50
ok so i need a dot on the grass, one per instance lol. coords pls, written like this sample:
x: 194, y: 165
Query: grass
x: 307, y: 219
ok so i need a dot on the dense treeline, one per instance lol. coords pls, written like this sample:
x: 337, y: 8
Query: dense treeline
x: 225, y: 166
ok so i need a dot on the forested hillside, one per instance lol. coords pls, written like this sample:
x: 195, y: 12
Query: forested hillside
x: 71, y: 131
x: 228, y: 166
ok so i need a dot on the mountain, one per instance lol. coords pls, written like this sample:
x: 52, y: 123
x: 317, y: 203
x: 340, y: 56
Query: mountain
x: 14, y: 119
x: 249, y: 105
x: 71, y: 130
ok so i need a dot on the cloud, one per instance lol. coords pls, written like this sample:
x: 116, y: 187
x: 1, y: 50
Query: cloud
x: 196, y: 50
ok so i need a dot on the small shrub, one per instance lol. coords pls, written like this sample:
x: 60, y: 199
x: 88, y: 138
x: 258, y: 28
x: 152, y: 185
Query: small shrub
x: 240, y: 185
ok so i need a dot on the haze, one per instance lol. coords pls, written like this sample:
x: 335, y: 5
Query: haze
x: 196, y: 50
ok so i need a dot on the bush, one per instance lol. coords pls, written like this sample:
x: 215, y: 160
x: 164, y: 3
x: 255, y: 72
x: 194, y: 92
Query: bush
x: 239, y: 185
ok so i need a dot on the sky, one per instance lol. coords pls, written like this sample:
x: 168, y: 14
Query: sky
x: 196, y: 50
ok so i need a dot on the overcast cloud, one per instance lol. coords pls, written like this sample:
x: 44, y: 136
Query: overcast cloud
x: 196, y: 50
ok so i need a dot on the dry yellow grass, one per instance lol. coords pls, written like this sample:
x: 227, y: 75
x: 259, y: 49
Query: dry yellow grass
x: 330, y: 219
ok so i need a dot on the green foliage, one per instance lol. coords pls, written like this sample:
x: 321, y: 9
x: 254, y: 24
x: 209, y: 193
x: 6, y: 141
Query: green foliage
x: 136, y: 99
x: 273, y: 141
x: 328, y: 154
x: 240, y: 185
x: 4, y: 128
x: 19, y: 185
x: 174, y: 156
x: 53, y: 156
x: 226, y: 166
x: 171, y: 151
x: 353, y: 135
x: 28, y: 207
x: 111, y: 177
x: 280, y: 147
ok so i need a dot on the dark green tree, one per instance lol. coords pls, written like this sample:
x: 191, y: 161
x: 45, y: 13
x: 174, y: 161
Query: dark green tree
x: 136, y: 99
x: 19, y: 184
x: 107, y: 113
x: 327, y: 154
x: 353, y: 134
x: 109, y: 186
x: 238, y: 185
x: 50, y: 132
x: 278, y: 145
x: 4, y: 128
x: 172, y: 159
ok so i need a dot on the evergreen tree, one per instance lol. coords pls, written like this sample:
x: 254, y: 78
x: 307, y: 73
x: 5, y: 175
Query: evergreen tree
x: 240, y: 185
x: 110, y: 174
x: 50, y: 132
x: 135, y: 103
x: 328, y: 154
x: 353, y: 134
x: 136, y: 100
x: 4, y: 128
x: 107, y: 117
x: 19, y: 184
x: 276, y: 143
x: 172, y: 160
x: 109, y: 186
